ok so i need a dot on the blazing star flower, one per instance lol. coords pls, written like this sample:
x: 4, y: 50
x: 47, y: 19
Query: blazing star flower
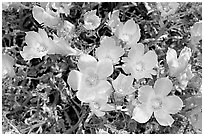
x: 167, y: 8
x: 99, y: 105
x: 156, y: 101
x: 177, y: 65
x: 39, y: 44
x: 109, y: 50
x: 128, y: 32
x: 114, y: 20
x: 123, y: 85
x: 137, y: 63
x: 196, y: 32
x: 185, y: 76
x: 91, y: 79
x: 91, y: 20
x: 7, y: 67
x: 45, y: 16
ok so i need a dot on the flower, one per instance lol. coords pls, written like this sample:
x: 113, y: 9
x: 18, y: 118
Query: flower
x: 99, y: 105
x: 196, y: 33
x: 137, y: 63
x: 185, y: 76
x: 91, y: 79
x: 108, y: 49
x: 156, y: 101
x: 47, y: 17
x: 7, y: 67
x: 39, y: 44
x: 167, y: 8
x: 114, y: 20
x: 123, y: 85
x: 91, y: 20
x: 128, y: 32
x: 177, y: 65
x: 61, y: 7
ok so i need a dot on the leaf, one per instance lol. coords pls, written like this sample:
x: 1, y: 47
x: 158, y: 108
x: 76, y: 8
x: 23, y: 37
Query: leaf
x: 194, y: 112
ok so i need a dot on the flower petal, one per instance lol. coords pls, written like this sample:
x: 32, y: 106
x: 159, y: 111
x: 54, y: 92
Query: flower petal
x: 172, y: 104
x: 145, y: 93
x: 129, y: 27
x: 136, y: 51
x: 104, y: 68
x: 86, y: 61
x: 142, y: 114
x: 163, y: 118
x: 74, y: 79
x: 150, y: 60
x: 163, y: 86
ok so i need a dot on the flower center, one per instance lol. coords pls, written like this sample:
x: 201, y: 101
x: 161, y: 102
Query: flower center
x: 139, y: 66
x: 96, y: 105
x: 40, y: 48
x: 126, y: 37
x: 92, y: 80
x: 156, y: 103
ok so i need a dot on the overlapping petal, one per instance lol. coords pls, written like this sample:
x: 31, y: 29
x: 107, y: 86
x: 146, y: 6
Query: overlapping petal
x: 85, y: 61
x: 123, y: 84
x: 172, y: 104
x: 145, y: 93
x: 163, y: 118
x: 104, y: 68
x: 163, y: 86
x: 74, y: 79
x: 150, y: 60
x: 108, y: 49
x: 136, y: 51
x: 142, y: 113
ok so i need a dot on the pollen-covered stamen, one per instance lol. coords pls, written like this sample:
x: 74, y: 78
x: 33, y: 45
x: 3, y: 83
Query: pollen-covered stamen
x: 96, y: 105
x: 92, y: 80
x: 139, y: 66
x: 40, y: 48
x: 156, y: 103
x: 126, y: 37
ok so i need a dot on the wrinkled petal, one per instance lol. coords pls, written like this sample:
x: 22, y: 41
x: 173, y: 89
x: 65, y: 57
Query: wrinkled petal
x: 116, y: 53
x: 123, y: 84
x: 163, y: 118
x: 7, y: 66
x: 88, y: 94
x: 31, y: 38
x: 85, y: 61
x: 163, y: 86
x: 172, y: 104
x: 145, y: 93
x: 142, y: 114
x: 74, y: 79
x: 104, y: 68
x: 41, y: 16
x: 136, y: 52
x: 29, y: 53
x: 129, y: 27
x: 108, y: 42
x: 150, y: 60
